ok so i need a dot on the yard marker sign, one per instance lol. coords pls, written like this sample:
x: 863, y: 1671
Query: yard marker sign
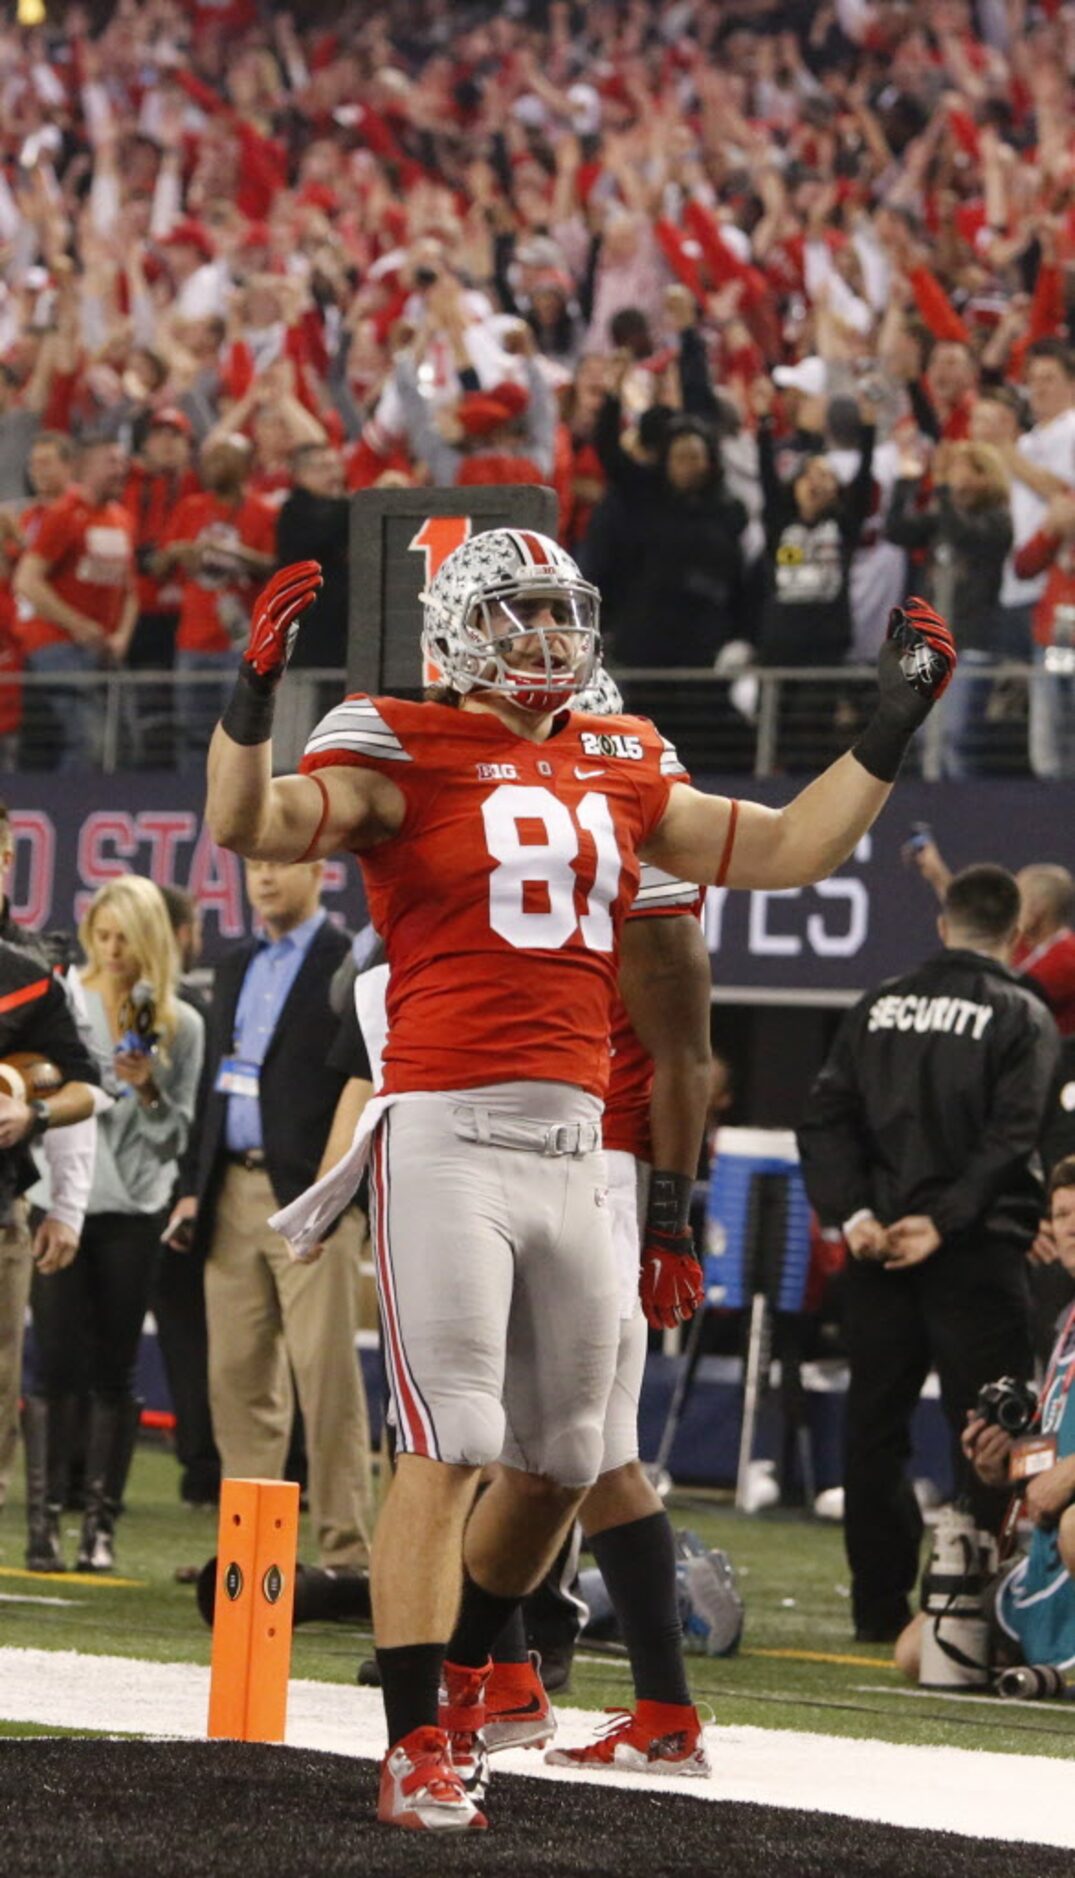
x: 255, y: 1595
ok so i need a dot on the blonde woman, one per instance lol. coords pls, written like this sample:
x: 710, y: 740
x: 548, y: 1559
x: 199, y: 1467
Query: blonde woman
x: 88, y: 1319
x: 966, y: 529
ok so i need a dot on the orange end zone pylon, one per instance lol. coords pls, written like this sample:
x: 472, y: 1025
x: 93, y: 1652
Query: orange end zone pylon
x: 255, y: 1596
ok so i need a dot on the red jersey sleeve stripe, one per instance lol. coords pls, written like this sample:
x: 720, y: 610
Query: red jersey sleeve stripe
x: 322, y: 819
x: 729, y: 844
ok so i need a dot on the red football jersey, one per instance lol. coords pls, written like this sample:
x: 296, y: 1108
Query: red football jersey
x: 216, y: 598
x: 89, y: 559
x: 630, y: 1084
x: 501, y: 897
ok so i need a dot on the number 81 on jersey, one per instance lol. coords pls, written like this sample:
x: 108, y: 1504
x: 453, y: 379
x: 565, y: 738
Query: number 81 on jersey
x: 548, y: 862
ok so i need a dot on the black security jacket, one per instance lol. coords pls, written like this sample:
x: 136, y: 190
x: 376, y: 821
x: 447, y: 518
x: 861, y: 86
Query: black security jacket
x: 932, y: 1101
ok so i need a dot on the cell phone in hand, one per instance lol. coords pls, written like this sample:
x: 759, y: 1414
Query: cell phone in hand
x: 920, y: 837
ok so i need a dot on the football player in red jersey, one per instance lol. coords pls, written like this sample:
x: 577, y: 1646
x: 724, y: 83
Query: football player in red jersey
x: 652, y: 1129
x: 501, y: 838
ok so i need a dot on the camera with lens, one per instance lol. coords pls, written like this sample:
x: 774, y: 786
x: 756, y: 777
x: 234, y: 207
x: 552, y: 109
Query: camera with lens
x: 1007, y: 1404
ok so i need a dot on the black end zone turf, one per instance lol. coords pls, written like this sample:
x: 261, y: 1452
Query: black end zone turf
x: 135, y: 1809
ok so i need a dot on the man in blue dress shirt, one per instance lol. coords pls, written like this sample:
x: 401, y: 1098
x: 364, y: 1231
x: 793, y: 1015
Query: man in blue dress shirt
x: 276, y: 1067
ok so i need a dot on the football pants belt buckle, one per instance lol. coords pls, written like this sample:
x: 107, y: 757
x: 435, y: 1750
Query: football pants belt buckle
x: 574, y: 1138
x: 553, y: 1139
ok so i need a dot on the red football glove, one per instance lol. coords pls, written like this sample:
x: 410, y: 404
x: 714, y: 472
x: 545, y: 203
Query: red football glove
x: 670, y: 1283
x: 275, y: 624
x: 925, y: 647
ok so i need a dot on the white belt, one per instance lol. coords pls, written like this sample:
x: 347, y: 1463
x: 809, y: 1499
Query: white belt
x: 551, y: 1138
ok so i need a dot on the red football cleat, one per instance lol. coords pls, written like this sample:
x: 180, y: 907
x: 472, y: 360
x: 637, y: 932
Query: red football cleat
x: 658, y: 1738
x: 461, y: 1715
x: 420, y: 1789
x: 518, y: 1713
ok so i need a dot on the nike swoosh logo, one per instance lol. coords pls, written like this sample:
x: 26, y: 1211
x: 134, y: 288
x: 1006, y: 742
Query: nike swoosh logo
x: 533, y: 1707
x: 584, y: 775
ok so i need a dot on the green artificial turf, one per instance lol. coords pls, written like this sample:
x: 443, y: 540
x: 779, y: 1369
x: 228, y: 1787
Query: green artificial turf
x: 793, y: 1577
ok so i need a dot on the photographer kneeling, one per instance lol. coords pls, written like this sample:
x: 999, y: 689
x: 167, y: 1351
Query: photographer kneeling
x: 1031, y: 1604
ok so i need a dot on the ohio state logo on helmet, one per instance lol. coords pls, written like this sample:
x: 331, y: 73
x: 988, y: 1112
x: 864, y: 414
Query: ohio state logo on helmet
x: 509, y: 612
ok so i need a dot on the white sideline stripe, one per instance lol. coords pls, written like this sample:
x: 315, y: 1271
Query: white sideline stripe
x: 1026, y: 1798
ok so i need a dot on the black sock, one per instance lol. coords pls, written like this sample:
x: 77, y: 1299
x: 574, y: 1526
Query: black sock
x: 638, y: 1564
x: 482, y: 1617
x: 410, y: 1681
x: 510, y: 1645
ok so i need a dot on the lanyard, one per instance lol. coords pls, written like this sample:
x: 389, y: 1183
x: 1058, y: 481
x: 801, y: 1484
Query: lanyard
x: 1059, y: 1354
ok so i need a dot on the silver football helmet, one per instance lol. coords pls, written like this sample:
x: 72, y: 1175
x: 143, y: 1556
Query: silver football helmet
x: 510, y: 612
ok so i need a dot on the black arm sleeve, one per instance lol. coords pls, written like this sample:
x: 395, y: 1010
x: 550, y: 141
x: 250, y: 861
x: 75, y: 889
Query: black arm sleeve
x: 588, y: 283
x: 620, y: 468
x: 859, y: 497
x: 924, y: 414
x: 50, y: 1028
x: 503, y: 255
x: 695, y: 383
x: 777, y: 500
x: 834, y: 1143
x: 906, y: 527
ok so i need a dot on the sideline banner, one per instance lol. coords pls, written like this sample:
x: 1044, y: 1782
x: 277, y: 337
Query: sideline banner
x: 875, y: 917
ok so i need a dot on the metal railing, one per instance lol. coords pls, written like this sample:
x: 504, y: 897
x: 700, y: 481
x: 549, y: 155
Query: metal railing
x: 763, y: 721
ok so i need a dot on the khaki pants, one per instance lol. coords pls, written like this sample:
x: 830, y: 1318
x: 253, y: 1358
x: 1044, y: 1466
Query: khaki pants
x: 270, y: 1317
x: 16, y: 1272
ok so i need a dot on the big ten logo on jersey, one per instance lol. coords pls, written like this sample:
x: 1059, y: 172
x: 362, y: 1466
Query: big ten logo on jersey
x: 438, y: 537
x: 497, y: 772
x: 611, y: 743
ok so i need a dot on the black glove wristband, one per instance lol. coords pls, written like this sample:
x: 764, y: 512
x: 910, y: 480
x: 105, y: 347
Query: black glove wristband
x: 901, y: 708
x: 669, y: 1202
x: 248, y: 714
x: 883, y: 743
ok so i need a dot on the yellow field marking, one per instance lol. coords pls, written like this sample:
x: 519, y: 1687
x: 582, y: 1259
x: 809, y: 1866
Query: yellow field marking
x: 74, y: 1578
x: 821, y: 1656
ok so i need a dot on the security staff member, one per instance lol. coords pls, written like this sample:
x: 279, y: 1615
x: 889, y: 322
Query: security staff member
x: 919, y: 1140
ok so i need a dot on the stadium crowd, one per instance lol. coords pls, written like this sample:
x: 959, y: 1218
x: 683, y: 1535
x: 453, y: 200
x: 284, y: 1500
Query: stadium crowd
x: 774, y: 296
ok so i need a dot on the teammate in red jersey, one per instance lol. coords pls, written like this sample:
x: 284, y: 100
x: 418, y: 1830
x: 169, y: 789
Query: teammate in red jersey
x: 501, y: 837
